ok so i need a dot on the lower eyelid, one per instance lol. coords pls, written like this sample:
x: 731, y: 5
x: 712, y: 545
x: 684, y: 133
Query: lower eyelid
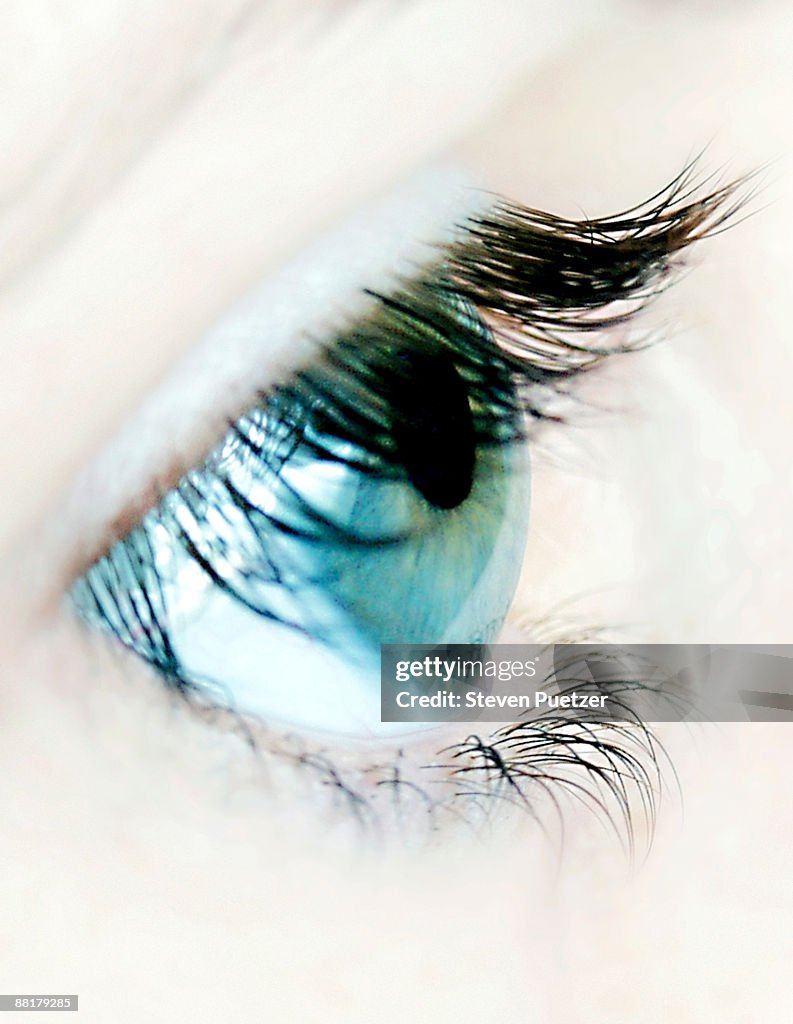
x: 417, y: 788
x: 422, y: 790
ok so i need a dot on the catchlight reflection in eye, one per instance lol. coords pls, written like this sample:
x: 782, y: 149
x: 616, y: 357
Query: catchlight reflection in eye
x: 330, y: 519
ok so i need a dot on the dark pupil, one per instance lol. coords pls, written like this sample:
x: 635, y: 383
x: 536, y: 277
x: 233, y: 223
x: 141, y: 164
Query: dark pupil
x: 434, y: 428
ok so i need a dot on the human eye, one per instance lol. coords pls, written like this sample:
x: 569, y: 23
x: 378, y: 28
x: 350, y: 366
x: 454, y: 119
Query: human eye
x: 379, y: 491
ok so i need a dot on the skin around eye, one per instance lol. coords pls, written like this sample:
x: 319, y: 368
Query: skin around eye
x: 144, y: 856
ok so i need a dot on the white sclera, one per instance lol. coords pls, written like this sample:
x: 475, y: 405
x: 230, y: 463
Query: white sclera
x: 278, y: 674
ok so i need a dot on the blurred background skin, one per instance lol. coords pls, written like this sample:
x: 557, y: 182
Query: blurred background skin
x: 160, y: 158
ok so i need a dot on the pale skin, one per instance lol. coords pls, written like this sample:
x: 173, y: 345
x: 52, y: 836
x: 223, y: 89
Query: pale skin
x: 159, y: 165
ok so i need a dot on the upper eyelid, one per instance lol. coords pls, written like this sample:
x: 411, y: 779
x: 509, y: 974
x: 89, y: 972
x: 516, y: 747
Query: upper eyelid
x: 545, y: 274
x: 260, y: 340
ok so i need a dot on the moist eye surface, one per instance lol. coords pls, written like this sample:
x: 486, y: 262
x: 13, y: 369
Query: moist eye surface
x: 380, y: 495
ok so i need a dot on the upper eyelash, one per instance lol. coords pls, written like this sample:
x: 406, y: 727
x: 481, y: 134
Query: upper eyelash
x: 539, y: 280
x: 540, y: 277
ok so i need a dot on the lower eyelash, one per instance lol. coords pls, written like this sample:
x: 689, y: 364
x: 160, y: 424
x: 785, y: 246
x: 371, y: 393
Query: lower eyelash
x: 613, y: 770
